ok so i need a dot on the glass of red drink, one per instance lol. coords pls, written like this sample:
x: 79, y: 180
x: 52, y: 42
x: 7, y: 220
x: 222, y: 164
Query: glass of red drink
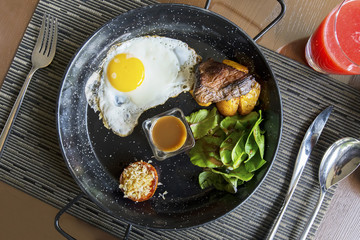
x: 334, y: 48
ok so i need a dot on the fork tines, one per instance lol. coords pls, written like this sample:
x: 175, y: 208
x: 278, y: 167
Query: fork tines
x: 46, y: 42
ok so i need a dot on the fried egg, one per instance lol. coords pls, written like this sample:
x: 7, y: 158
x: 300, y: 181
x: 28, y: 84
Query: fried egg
x: 137, y: 75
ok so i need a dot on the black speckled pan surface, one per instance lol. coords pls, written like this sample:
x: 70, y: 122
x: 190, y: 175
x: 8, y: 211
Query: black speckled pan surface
x: 96, y: 157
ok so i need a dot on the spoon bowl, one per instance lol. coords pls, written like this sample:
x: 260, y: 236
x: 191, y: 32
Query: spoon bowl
x: 339, y: 160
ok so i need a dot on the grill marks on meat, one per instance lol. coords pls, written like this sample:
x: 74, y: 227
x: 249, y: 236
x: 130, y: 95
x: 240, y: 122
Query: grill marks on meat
x: 217, y: 75
x: 217, y: 82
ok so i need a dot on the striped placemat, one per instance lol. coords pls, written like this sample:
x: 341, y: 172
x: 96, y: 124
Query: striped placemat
x: 32, y: 161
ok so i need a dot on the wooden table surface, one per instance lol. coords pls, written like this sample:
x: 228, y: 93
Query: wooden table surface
x: 24, y: 217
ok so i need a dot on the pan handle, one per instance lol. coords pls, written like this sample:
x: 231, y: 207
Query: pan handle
x: 270, y: 25
x: 67, y: 207
x: 207, y: 4
x: 61, y: 212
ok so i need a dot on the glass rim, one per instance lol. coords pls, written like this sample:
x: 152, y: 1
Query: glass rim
x: 336, y: 36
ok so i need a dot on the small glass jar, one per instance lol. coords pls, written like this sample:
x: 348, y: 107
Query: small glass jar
x: 148, y: 126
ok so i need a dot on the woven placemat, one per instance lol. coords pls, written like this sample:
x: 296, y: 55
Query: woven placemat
x: 32, y: 161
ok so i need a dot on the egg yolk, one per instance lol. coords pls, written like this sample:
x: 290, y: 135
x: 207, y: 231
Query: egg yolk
x: 125, y: 73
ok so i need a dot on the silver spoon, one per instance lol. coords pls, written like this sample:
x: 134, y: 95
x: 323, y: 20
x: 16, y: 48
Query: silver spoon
x: 339, y: 160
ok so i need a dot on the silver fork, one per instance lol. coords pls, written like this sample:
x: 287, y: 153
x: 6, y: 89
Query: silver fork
x: 42, y: 56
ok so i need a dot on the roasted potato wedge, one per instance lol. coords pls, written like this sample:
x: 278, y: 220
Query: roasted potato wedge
x: 248, y: 102
x: 229, y: 107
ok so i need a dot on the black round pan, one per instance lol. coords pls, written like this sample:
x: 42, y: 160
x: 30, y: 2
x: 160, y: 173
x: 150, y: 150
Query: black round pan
x: 96, y: 157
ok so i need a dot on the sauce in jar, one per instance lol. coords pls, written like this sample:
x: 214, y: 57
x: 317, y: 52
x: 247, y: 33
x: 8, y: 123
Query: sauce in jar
x: 168, y: 133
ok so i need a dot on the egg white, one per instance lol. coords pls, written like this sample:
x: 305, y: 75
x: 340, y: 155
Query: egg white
x: 169, y: 70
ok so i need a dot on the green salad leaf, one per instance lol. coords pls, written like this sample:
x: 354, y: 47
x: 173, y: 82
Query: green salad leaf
x: 203, y: 122
x: 237, y: 122
x: 239, y: 173
x: 205, y: 153
x: 255, y: 141
x: 255, y: 163
x: 229, y: 149
x: 212, y: 179
x: 238, y: 153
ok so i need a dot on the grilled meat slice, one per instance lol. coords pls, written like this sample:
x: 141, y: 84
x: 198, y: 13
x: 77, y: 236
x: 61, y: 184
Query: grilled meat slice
x: 217, y: 82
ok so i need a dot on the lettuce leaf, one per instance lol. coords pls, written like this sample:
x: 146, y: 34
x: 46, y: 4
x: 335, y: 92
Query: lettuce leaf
x: 230, y: 149
x: 205, y: 153
x: 259, y: 139
x: 240, y: 173
x: 255, y: 141
x: 237, y: 122
x: 238, y: 153
x: 203, y: 122
x: 227, y: 146
x: 254, y: 163
x: 218, y: 181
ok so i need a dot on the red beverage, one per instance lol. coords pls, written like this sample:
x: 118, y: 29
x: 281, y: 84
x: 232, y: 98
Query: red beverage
x: 335, y: 46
